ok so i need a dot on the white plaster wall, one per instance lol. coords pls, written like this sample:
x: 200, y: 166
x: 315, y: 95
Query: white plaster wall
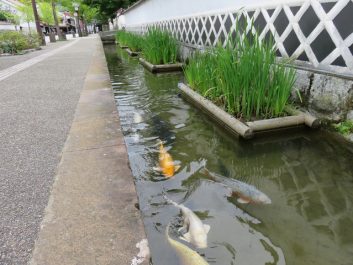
x: 156, y: 10
x: 11, y: 6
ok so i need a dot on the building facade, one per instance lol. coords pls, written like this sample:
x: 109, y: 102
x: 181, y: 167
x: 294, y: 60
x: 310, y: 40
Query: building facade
x: 11, y: 7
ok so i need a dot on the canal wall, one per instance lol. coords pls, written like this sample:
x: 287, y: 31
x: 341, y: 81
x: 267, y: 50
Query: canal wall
x: 316, y: 34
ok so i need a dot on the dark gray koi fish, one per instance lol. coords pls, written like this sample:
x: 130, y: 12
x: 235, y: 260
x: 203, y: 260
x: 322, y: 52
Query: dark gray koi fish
x: 246, y: 193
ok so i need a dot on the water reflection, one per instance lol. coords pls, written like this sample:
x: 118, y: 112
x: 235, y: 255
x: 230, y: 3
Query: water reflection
x: 308, y: 176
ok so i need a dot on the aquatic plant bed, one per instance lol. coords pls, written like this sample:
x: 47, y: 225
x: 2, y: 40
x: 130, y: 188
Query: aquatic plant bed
x: 248, y: 129
x: 161, y: 68
x: 108, y: 41
x: 131, y: 53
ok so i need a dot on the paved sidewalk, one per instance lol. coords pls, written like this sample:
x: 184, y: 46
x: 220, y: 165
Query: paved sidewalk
x: 91, y: 217
x: 8, y: 61
x: 37, y: 107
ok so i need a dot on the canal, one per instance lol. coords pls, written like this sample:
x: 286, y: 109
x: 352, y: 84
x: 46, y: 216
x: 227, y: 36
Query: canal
x: 307, y: 174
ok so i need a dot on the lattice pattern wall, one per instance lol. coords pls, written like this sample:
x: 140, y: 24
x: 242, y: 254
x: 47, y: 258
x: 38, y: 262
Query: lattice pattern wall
x: 319, y: 33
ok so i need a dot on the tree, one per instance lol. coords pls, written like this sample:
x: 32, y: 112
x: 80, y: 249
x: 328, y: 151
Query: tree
x: 107, y: 8
x: 36, y: 19
x: 46, y: 13
x: 60, y: 35
x: 69, y: 5
x: 27, y: 14
x: 88, y: 14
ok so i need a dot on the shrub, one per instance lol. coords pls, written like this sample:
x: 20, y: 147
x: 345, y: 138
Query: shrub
x: 243, y: 77
x: 3, y: 16
x: 14, y: 42
x: 160, y: 47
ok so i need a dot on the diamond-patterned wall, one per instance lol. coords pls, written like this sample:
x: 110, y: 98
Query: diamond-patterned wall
x: 315, y: 33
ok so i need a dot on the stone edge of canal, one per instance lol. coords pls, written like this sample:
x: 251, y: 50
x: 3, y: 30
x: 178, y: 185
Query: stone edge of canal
x: 91, y: 216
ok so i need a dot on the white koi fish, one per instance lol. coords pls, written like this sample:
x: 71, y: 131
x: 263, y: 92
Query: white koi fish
x: 187, y: 256
x: 246, y: 193
x: 196, y: 230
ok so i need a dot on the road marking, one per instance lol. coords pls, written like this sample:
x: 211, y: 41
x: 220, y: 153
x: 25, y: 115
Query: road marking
x: 21, y: 66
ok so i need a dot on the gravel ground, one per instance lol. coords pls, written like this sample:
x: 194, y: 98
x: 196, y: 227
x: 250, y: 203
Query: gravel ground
x: 37, y: 107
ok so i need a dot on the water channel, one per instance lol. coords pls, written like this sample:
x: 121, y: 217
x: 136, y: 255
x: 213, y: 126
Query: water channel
x: 307, y: 174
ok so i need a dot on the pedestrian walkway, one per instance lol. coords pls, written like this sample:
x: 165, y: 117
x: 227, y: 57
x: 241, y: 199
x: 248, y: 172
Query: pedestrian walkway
x: 8, y: 61
x: 30, y: 62
x: 91, y: 210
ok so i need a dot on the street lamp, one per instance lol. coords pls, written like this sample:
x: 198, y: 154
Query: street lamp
x: 76, y: 14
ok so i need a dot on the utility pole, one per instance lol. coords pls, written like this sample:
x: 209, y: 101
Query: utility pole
x: 36, y: 19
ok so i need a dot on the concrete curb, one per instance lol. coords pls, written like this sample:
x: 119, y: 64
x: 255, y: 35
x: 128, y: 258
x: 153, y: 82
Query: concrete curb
x: 161, y: 68
x: 131, y: 53
x: 91, y: 216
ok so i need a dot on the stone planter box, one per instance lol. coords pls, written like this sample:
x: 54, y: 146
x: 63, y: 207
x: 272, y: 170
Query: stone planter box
x: 247, y: 130
x: 121, y: 46
x: 108, y: 42
x: 131, y: 53
x: 161, y: 68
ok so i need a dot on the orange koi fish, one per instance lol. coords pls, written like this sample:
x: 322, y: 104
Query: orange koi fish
x: 166, y: 163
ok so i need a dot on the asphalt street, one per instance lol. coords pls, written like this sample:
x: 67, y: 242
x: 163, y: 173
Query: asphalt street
x: 37, y: 106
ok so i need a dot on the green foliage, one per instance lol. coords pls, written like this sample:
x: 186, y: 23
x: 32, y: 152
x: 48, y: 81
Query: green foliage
x: 27, y: 12
x: 345, y: 127
x: 160, y: 47
x: 14, y: 42
x: 107, y: 8
x: 89, y: 13
x: 46, y: 13
x: 3, y: 15
x: 200, y: 73
x: 244, y: 77
x: 10, y: 17
x: 133, y: 41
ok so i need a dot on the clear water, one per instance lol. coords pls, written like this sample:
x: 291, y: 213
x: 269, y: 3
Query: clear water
x: 307, y: 174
